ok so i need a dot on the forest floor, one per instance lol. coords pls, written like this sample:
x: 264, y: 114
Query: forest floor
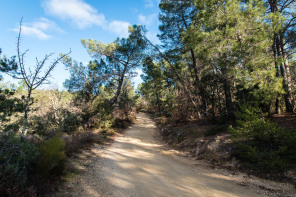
x: 138, y: 163
x: 285, y: 120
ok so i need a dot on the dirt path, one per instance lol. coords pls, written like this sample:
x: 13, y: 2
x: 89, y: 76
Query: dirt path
x: 136, y: 164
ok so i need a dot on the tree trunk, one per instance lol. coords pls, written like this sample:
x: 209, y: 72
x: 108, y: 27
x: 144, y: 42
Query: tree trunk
x: 279, y: 50
x: 24, y: 130
x: 194, y: 66
x: 288, y: 83
x: 287, y: 96
x: 158, y: 103
x: 213, y: 103
x: 227, y: 92
x: 228, y: 99
x: 219, y: 101
x: 277, y: 102
x: 114, y: 99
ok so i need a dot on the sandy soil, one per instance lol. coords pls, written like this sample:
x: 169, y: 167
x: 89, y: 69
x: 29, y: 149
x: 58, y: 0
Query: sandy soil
x: 137, y: 164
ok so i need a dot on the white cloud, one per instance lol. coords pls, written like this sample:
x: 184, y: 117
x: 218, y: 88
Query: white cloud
x: 80, y: 13
x: 147, y: 20
x: 45, y: 24
x: 149, y: 3
x: 39, y: 28
x: 120, y: 28
x: 83, y: 15
x: 32, y: 31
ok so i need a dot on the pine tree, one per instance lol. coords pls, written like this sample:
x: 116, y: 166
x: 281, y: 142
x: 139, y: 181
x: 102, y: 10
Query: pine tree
x: 230, y: 39
x: 283, y: 21
x: 123, y: 55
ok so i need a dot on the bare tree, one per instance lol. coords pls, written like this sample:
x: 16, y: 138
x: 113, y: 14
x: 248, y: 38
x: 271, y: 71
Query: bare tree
x: 33, y: 79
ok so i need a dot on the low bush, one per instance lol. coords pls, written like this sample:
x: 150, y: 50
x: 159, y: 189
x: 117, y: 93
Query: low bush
x: 71, y: 122
x: 37, y: 125
x: 17, y: 160
x: 263, y: 146
x: 102, y: 111
x: 52, y: 156
x: 121, y: 119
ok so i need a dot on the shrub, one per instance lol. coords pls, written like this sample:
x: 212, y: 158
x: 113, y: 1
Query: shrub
x: 121, y: 119
x: 70, y: 122
x: 182, y: 111
x: 52, y: 156
x: 17, y: 158
x: 101, y: 109
x: 262, y: 145
x: 38, y: 125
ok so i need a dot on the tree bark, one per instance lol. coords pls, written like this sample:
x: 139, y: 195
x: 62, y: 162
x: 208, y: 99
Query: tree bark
x: 279, y: 50
x: 24, y: 130
x: 227, y: 92
x: 287, y: 96
x: 158, y: 103
x: 277, y: 102
x: 288, y: 83
x: 120, y: 82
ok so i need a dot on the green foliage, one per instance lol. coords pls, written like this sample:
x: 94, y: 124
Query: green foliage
x: 175, y: 17
x: 121, y: 56
x: 124, y: 54
x: 86, y: 80
x: 248, y: 114
x: 52, y: 156
x: 262, y: 145
x: 70, y: 122
x: 7, y: 65
x: 101, y: 109
x: 17, y: 160
x: 9, y: 104
x: 212, y: 61
x: 156, y: 87
x: 126, y: 100
x: 237, y: 54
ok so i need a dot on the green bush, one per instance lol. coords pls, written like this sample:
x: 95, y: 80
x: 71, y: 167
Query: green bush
x: 38, y: 125
x: 17, y: 159
x: 101, y: 109
x: 52, y: 156
x: 70, y: 122
x: 262, y: 145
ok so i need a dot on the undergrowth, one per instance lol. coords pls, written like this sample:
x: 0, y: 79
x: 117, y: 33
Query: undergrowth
x: 261, y: 145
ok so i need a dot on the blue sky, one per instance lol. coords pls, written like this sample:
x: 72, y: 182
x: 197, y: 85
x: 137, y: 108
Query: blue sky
x: 58, y: 25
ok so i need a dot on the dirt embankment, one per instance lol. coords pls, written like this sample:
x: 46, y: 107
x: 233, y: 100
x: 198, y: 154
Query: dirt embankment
x: 210, y: 144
